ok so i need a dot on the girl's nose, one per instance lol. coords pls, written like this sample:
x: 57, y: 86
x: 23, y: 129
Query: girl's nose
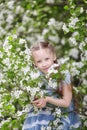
x: 44, y: 64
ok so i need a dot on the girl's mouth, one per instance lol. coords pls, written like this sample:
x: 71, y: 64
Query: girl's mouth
x: 45, y: 69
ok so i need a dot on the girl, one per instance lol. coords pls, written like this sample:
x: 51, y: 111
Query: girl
x: 44, y: 57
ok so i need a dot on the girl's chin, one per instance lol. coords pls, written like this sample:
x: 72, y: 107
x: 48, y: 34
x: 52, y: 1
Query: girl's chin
x: 45, y: 71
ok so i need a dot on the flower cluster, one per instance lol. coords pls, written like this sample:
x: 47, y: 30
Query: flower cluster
x: 27, y: 21
x: 55, y: 74
x: 19, y: 81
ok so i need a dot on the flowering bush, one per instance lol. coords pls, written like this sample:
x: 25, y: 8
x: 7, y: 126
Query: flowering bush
x: 34, y: 20
x: 19, y: 81
x: 56, y: 73
x: 76, y: 27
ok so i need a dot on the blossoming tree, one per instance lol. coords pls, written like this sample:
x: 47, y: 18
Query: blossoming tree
x: 61, y: 22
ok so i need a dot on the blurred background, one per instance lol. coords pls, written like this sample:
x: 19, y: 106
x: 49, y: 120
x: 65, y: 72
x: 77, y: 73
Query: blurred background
x: 61, y: 22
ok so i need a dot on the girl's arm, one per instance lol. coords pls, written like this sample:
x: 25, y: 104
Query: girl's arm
x: 66, y: 98
x: 62, y: 102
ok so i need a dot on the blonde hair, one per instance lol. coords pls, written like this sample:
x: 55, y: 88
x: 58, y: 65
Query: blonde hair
x: 43, y: 45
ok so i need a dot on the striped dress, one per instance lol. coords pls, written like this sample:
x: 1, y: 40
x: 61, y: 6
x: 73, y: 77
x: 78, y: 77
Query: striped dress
x: 41, y: 119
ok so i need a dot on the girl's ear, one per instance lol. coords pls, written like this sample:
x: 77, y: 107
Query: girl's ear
x: 54, y: 57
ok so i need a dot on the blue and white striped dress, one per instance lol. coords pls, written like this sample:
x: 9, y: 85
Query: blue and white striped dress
x: 41, y: 119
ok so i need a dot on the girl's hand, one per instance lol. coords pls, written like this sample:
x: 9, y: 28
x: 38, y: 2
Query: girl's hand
x: 40, y: 103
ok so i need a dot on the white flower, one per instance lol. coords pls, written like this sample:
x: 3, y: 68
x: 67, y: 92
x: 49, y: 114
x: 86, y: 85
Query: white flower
x: 81, y: 45
x: 27, y: 108
x: 43, y: 128
x: 85, y: 98
x: 74, y: 53
x: 21, y: 29
x: 81, y: 10
x: 84, y: 74
x: 6, y: 46
x: 74, y: 71
x: 6, y: 62
x: 53, y: 66
x: 15, y: 128
x: 16, y: 94
x: 55, y: 122
x: 65, y: 28
x: 28, y: 88
x: 85, y: 123
x: 18, y: 49
x: 1, y: 54
x: 73, y: 22
x: 27, y: 78
x: 63, y: 60
x: 63, y: 41
x: 1, y: 77
x: 52, y: 84
x: 25, y: 69
x: 19, y: 9
x: 58, y: 25
x: 86, y: 39
x: 45, y: 31
x: 14, y: 36
x: 22, y: 41
x: 54, y: 38
x: 64, y: 71
x: 34, y: 75
x: 50, y: 1
x: 48, y: 127
x: 76, y: 89
x: 84, y: 56
x: 80, y: 65
x: 40, y: 38
x: 35, y: 13
x: 84, y: 82
x: 10, y: 4
x: 1, y: 105
x: 10, y: 18
x: 4, y: 121
x: 73, y: 41
x: 2, y: 32
x: 75, y: 34
x: 33, y: 91
x: 19, y: 113
x: 27, y: 50
x: 25, y: 19
x: 51, y: 22
x: 58, y: 111
x: 15, y: 67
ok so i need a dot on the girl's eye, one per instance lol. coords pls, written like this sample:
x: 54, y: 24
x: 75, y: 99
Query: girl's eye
x: 39, y: 61
x: 47, y: 59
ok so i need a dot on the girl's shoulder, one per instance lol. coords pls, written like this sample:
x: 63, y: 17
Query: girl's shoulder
x: 67, y: 79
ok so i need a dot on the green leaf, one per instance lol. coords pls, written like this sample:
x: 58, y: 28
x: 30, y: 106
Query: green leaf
x: 66, y: 7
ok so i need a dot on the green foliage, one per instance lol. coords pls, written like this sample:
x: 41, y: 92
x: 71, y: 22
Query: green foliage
x: 36, y: 20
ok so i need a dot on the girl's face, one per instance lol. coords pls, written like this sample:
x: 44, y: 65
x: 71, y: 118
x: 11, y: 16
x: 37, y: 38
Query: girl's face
x: 43, y: 59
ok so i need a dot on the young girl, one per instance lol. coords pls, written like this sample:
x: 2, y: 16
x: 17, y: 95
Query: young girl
x: 44, y: 57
